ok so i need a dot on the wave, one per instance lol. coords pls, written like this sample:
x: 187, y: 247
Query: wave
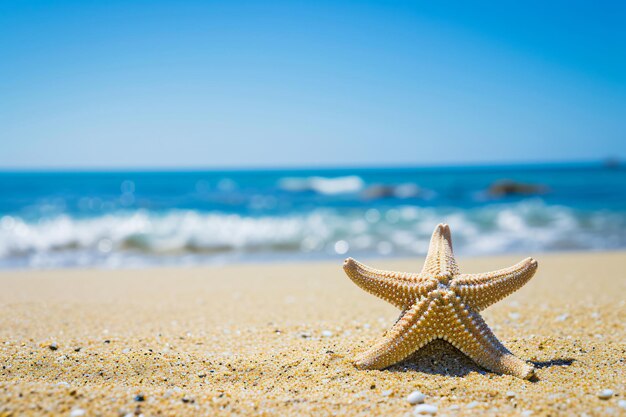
x: 190, y: 236
x: 322, y: 185
x: 353, y: 184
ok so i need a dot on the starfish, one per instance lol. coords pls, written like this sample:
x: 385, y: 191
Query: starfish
x: 442, y: 303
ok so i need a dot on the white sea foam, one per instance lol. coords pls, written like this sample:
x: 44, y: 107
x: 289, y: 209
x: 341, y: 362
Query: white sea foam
x: 322, y: 185
x: 125, y: 238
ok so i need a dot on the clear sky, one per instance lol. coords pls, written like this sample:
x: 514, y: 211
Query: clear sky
x: 96, y: 84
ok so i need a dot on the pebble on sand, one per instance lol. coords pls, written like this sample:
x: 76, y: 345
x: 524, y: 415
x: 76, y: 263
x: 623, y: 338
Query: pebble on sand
x: 605, y: 394
x: 472, y: 404
x: 327, y: 333
x: 51, y: 346
x: 562, y: 317
x: 510, y: 394
x: 415, y: 397
x: 422, y: 409
x: 77, y: 412
x: 622, y: 404
x: 514, y: 316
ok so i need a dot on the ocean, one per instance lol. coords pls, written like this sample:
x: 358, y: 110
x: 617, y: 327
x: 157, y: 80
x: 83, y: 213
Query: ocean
x: 135, y: 219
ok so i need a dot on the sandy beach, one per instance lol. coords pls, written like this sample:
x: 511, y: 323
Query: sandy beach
x: 278, y: 339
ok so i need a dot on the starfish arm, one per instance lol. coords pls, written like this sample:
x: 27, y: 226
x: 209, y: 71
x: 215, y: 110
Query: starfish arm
x: 411, y: 332
x: 472, y: 336
x: 398, y: 288
x: 440, y: 258
x: 482, y: 290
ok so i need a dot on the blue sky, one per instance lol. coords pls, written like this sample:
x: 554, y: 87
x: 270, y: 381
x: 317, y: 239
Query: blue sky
x: 238, y: 84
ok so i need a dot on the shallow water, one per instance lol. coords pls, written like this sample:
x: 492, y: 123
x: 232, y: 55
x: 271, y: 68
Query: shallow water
x: 114, y: 219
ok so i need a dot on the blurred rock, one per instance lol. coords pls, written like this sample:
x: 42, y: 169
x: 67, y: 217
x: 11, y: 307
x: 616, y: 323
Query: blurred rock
x: 611, y: 163
x: 504, y: 188
x: 379, y: 191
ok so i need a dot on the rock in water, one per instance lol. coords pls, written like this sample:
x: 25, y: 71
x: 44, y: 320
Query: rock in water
x: 506, y: 188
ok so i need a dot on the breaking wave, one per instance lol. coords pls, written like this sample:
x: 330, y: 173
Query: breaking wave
x: 323, y: 185
x: 143, y: 237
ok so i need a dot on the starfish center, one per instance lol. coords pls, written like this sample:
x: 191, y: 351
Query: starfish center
x: 444, y: 279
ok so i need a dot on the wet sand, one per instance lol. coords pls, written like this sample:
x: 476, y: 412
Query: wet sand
x: 278, y: 339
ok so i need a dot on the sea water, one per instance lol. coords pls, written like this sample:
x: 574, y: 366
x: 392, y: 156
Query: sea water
x: 131, y: 219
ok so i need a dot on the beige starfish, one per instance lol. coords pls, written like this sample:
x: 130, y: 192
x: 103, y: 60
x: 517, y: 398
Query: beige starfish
x: 441, y: 303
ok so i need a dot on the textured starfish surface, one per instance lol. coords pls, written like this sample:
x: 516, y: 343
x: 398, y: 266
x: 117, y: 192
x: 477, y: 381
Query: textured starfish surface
x: 442, y: 303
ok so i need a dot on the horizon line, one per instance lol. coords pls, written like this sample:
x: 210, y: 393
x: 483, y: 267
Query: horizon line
x: 611, y: 161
